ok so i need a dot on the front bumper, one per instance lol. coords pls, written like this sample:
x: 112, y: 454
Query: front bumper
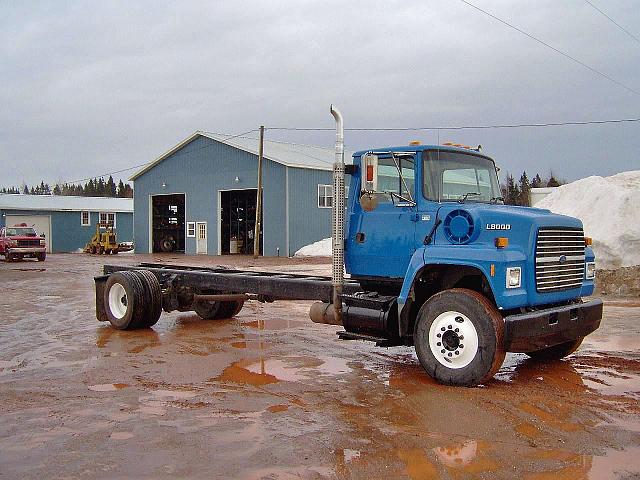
x: 531, y: 331
x: 26, y: 250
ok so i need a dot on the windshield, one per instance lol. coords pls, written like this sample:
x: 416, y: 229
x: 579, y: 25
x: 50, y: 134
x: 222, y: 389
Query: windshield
x: 21, y: 232
x: 453, y: 176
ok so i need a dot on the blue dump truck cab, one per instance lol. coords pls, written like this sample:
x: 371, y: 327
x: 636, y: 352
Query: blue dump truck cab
x: 447, y: 267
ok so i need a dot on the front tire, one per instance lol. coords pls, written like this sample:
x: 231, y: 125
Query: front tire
x: 459, y: 337
x: 557, y: 351
x: 42, y: 257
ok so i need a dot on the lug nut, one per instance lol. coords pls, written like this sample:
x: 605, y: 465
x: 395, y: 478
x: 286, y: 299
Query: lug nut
x: 457, y: 330
x: 449, y: 353
x: 439, y: 335
x: 461, y: 337
x: 457, y: 352
x: 439, y: 344
x: 442, y: 351
x: 449, y: 327
x: 461, y: 346
x: 443, y: 329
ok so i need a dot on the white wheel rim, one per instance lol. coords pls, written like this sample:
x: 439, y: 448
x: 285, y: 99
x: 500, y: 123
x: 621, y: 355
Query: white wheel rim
x: 118, y: 301
x: 453, y: 339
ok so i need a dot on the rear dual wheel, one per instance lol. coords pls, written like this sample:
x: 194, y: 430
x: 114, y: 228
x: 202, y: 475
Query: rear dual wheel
x: 132, y: 299
x: 459, y: 337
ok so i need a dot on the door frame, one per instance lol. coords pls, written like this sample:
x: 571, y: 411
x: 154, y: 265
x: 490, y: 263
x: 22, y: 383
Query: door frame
x: 150, y: 218
x: 206, y: 238
x: 219, y: 222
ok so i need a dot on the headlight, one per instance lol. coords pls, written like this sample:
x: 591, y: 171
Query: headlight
x: 590, y: 271
x: 13, y: 243
x: 42, y: 244
x: 514, y: 277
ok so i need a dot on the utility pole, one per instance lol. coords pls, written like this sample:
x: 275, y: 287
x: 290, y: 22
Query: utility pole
x: 256, y: 234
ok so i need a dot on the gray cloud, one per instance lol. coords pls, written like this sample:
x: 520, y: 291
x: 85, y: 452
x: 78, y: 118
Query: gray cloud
x: 89, y: 87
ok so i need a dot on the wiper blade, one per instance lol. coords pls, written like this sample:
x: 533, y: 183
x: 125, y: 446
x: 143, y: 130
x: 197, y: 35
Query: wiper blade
x: 464, y: 197
x: 496, y: 199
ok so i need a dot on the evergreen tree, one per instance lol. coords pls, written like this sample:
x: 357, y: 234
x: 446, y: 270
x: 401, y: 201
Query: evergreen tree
x: 536, y: 182
x: 552, y: 182
x: 120, y: 189
x: 512, y: 192
x: 525, y: 187
x: 25, y: 189
x: 110, y: 187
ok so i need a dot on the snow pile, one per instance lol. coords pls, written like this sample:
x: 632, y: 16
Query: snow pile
x: 609, y: 208
x: 321, y: 248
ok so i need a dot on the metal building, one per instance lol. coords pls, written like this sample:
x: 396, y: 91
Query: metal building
x: 200, y: 197
x: 67, y: 222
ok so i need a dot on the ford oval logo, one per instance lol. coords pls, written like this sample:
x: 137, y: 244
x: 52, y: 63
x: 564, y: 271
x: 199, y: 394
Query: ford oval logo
x: 563, y: 259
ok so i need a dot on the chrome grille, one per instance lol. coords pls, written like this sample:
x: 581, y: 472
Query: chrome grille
x: 559, y: 258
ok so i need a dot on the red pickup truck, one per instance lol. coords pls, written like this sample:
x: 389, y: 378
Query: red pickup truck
x: 21, y: 241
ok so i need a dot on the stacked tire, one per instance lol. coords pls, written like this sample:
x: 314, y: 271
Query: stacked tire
x: 132, y: 299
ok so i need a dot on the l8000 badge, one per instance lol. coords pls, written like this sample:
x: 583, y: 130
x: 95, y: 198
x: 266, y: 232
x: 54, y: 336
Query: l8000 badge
x: 498, y: 226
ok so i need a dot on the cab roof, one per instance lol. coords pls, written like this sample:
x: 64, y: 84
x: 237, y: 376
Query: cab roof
x: 422, y: 148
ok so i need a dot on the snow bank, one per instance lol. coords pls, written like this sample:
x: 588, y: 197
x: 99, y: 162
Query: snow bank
x: 609, y: 208
x: 321, y: 248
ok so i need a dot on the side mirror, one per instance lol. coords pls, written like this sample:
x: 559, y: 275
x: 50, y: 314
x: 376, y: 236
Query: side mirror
x: 369, y: 173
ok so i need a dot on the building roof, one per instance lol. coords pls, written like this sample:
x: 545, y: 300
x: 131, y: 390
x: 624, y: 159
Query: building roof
x: 288, y: 154
x: 10, y: 201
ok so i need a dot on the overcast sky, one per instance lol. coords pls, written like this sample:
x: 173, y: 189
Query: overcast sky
x: 93, y: 87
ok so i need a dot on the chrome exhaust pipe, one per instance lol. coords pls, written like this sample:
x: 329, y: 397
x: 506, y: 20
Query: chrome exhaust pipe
x: 337, y: 217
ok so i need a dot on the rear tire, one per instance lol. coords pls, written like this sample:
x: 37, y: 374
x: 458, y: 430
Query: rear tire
x: 153, y: 298
x: 557, y: 351
x: 124, y: 300
x: 459, y: 337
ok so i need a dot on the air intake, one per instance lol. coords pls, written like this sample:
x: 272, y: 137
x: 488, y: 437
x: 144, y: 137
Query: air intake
x: 459, y: 227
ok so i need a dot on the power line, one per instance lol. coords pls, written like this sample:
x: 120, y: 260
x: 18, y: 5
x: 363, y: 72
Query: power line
x: 461, y: 127
x: 614, y: 22
x: 566, y: 55
x: 149, y: 163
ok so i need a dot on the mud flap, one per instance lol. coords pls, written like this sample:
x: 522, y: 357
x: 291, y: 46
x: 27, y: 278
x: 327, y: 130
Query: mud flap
x: 100, y: 281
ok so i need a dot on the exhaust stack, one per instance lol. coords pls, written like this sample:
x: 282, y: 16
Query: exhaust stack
x: 337, y: 273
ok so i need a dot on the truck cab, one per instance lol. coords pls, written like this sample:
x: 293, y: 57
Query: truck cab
x: 427, y: 222
x: 21, y: 241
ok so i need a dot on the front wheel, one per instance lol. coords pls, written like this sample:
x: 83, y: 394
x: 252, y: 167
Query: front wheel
x: 459, y: 337
x: 42, y: 257
x: 557, y: 351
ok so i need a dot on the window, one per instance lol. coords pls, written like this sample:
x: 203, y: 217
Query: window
x: 325, y: 196
x: 452, y: 176
x: 191, y: 229
x: 389, y: 180
x: 108, y: 217
x: 85, y: 219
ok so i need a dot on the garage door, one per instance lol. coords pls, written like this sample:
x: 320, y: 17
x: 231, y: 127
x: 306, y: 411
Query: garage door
x: 42, y: 224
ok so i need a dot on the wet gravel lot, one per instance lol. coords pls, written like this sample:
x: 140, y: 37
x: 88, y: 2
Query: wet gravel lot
x: 268, y: 394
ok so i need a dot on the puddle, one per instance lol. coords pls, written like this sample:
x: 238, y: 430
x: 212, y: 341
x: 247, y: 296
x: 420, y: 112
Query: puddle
x: 107, y: 387
x: 273, y: 324
x: 549, y: 418
x: 278, y: 408
x: 239, y: 373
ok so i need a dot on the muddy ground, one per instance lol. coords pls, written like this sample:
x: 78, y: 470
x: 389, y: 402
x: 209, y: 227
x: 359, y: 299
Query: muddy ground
x: 270, y: 395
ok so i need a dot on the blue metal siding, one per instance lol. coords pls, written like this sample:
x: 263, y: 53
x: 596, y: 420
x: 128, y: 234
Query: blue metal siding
x: 307, y: 222
x: 67, y: 233
x: 200, y: 170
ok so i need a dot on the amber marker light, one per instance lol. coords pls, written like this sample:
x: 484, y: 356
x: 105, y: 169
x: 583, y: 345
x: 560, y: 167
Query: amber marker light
x: 588, y: 241
x: 502, y: 242
x: 493, y: 270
